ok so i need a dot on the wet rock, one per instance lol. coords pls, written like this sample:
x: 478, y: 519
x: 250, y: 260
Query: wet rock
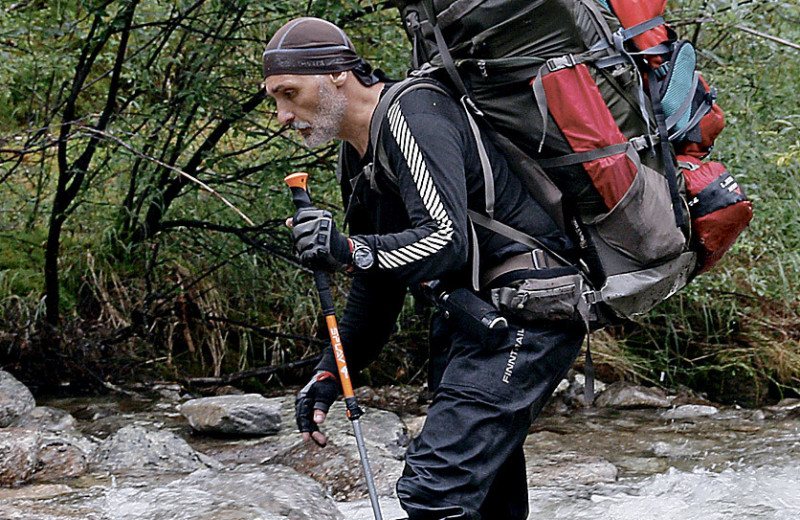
x: 47, y: 418
x: 19, y: 450
x: 338, y: 465
x: 95, y: 412
x: 569, y: 468
x: 15, y: 399
x: 785, y: 406
x: 690, y: 411
x: 274, y: 493
x: 626, y: 395
x: 338, y: 468
x: 381, y: 428
x: 63, y: 455
x: 136, y: 449
x: 168, y: 391
x: 574, y: 394
x: 249, y: 414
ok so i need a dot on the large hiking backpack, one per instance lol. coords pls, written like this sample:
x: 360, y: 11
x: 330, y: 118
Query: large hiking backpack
x: 589, y: 108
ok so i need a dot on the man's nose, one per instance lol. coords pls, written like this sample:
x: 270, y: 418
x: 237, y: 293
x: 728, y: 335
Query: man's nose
x: 285, y: 116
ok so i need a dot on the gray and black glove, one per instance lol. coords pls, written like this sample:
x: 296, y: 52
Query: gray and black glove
x: 318, y: 394
x: 318, y: 243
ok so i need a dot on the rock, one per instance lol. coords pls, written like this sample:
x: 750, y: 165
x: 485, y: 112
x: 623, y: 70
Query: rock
x: 15, y: 399
x: 785, y: 406
x: 19, y: 450
x: 63, y: 455
x: 569, y: 468
x: 168, y: 391
x: 136, y: 449
x: 574, y: 393
x: 274, y: 493
x: 95, y: 412
x: 249, y: 414
x: 690, y: 411
x: 47, y: 418
x: 626, y: 395
x: 338, y: 465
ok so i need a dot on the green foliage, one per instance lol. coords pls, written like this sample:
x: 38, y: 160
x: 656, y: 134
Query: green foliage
x: 163, y: 274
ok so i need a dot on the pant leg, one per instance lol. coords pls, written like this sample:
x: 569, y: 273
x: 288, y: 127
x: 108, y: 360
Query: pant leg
x: 508, y: 494
x: 479, y: 418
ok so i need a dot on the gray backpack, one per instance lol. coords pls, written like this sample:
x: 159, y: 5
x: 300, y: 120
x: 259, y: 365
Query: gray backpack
x: 560, y: 95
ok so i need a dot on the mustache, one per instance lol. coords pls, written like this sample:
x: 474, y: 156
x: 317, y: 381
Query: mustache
x: 299, y: 125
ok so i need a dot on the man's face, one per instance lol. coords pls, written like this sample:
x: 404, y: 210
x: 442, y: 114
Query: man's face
x: 312, y: 105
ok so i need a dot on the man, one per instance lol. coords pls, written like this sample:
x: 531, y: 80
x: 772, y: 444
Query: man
x: 408, y: 226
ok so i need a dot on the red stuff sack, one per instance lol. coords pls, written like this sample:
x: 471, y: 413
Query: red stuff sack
x: 719, y: 208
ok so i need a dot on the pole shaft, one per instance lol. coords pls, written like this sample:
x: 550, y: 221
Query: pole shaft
x: 297, y: 182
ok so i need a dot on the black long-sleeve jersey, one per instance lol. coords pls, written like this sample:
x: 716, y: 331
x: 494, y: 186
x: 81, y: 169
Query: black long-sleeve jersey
x: 418, y: 226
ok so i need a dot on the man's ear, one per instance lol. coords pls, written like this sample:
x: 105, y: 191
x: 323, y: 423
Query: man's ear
x: 339, y: 78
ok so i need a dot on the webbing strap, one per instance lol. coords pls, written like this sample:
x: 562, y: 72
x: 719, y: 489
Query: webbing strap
x: 540, y: 96
x: 636, y: 144
x: 582, y: 157
x: 588, y: 372
x: 686, y: 104
x: 702, y: 110
x: 666, y: 153
x: 486, y: 165
x: 643, y: 27
x: 394, y: 93
x: 513, y: 234
x: 447, y: 58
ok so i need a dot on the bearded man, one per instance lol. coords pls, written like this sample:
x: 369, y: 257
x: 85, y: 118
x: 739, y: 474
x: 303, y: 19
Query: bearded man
x: 408, y: 224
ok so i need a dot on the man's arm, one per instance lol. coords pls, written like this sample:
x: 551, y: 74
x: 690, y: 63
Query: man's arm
x: 374, y: 302
x: 426, y: 147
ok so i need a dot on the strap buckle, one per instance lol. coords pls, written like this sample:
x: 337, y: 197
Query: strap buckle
x: 561, y: 62
x: 539, y: 259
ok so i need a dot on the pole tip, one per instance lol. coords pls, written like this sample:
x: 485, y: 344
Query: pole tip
x: 297, y: 180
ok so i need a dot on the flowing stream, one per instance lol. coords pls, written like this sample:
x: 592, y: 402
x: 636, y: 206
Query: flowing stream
x: 588, y: 464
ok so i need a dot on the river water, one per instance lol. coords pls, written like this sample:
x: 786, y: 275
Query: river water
x: 733, y: 465
x: 585, y: 464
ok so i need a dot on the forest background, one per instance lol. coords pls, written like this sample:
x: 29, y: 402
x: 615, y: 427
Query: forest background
x: 117, y: 266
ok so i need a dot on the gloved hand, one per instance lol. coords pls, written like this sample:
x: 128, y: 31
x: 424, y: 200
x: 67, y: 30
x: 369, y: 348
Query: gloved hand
x: 312, y: 405
x: 318, y: 243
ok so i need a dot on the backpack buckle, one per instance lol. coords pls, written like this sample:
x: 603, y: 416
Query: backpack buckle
x: 562, y: 62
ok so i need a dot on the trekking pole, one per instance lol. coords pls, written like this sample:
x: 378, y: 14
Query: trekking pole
x: 298, y: 182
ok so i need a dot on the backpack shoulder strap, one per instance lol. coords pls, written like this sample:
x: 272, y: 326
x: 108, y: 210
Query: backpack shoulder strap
x: 394, y: 93
x: 400, y: 89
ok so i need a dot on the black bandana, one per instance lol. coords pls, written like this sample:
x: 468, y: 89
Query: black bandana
x: 314, y: 46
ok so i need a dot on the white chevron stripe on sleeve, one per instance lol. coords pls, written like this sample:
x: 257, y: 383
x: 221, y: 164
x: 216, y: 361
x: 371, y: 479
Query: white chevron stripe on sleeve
x: 436, y: 241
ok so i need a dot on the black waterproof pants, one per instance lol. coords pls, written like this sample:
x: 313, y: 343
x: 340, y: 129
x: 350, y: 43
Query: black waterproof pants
x: 468, y: 462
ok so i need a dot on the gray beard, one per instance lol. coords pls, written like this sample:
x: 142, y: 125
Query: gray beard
x: 328, y: 119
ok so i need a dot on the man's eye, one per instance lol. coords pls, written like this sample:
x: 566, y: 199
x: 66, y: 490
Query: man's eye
x: 288, y: 94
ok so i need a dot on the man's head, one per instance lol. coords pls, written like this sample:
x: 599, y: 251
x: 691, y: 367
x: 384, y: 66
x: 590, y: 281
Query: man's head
x: 306, y: 66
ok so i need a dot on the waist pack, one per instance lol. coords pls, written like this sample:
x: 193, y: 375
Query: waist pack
x: 589, y: 107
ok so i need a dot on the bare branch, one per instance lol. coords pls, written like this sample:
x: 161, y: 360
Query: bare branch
x: 768, y: 37
x: 171, y: 168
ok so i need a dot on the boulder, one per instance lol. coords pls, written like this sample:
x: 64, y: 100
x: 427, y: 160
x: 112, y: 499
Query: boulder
x: 19, y: 450
x: 249, y: 414
x: 690, y: 411
x: 63, y: 455
x: 273, y: 493
x: 47, y: 418
x: 569, y: 469
x: 338, y: 465
x: 626, y: 395
x: 139, y: 450
x: 15, y: 399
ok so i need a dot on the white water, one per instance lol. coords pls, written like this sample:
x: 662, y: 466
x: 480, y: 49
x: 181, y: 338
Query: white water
x: 734, y: 494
